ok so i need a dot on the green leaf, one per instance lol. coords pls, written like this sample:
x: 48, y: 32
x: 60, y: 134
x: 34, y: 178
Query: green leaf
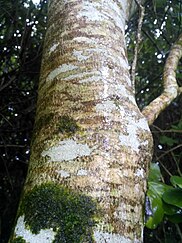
x: 173, y: 196
x: 179, y: 76
x: 176, y: 218
x: 157, y: 210
x: 167, y: 140
x: 170, y: 209
x: 158, y: 187
x: 154, y: 173
x: 178, y: 126
x: 176, y: 181
x: 154, y: 193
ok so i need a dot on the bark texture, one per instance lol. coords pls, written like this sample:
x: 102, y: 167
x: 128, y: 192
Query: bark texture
x: 90, y: 139
x: 171, y: 88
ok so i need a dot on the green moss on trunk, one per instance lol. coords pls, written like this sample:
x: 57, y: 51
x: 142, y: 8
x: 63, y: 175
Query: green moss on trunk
x: 69, y: 214
x: 67, y: 125
x: 18, y: 239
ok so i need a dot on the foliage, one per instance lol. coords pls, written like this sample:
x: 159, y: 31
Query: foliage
x: 165, y: 200
x: 165, y: 213
x: 19, y: 240
x: 161, y: 27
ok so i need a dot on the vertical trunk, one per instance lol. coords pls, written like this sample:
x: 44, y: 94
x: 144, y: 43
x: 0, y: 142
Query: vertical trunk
x: 91, y: 146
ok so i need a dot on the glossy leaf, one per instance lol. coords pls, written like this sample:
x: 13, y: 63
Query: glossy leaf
x: 155, y: 173
x: 173, y: 196
x: 154, y: 193
x: 158, y: 187
x: 170, y: 209
x: 176, y: 181
x: 157, y: 210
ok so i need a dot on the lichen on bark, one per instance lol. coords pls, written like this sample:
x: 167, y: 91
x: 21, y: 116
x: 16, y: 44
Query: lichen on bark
x: 86, y: 116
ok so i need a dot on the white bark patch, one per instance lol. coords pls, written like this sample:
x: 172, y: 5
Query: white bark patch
x: 171, y: 90
x: 103, y: 237
x: 53, y: 48
x: 95, y: 11
x: 79, y: 55
x: 105, y: 72
x: 127, y: 79
x: 122, y: 210
x: 82, y: 172
x: 89, y: 77
x: 94, y: 78
x: 123, y: 63
x: 61, y: 69
x: 140, y: 173
x: 142, y: 123
x: 118, y: 15
x: 123, y: 91
x: 63, y: 173
x: 87, y: 40
x: 67, y: 150
x: 117, y: 60
x: 46, y: 235
x: 106, y: 106
x: 90, y: 12
x: 132, y: 139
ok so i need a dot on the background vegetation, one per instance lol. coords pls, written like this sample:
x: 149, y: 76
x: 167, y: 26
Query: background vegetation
x: 22, y: 30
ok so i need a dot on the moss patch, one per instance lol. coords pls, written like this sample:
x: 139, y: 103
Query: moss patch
x: 67, y: 125
x: 43, y: 121
x: 70, y: 214
x: 18, y: 239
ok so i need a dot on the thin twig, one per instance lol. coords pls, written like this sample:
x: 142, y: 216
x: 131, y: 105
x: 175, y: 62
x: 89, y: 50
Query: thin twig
x: 179, y: 231
x: 12, y: 79
x: 138, y: 40
x: 169, y: 151
x: 12, y: 145
x: 177, y: 164
x: 171, y: 88
x: 165, y: 131
x: 153, y: 41
x: 168, y: 172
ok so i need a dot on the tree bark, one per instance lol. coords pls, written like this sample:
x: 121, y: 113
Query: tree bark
x: 91, y: 146
x: 170, y: 85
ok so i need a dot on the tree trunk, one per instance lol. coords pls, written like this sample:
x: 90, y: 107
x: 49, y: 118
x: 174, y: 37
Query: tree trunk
x: 91, y: 146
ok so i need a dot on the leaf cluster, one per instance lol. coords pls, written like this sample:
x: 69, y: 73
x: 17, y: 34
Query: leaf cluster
x: 165, y: 200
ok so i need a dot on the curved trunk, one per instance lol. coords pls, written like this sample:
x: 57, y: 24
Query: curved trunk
x: 91, y: 146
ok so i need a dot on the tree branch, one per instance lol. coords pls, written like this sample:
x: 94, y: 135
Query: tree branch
x: 138, y: 40
x: 171, y: 88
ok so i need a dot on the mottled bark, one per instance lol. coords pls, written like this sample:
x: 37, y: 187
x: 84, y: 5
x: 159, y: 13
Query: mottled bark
x: 171, y: 88
x: 90, y: 137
